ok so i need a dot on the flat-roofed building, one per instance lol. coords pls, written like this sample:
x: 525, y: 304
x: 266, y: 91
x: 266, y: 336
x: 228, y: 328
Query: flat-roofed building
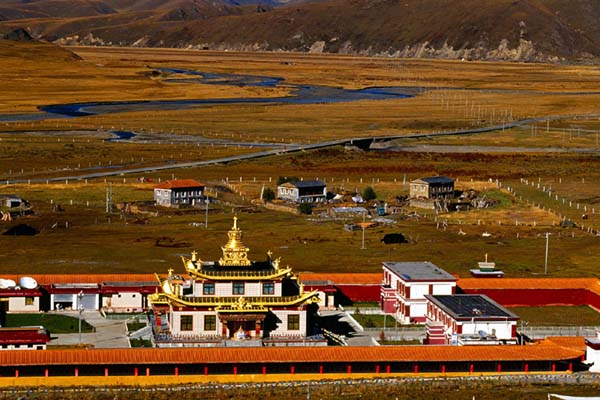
x: 469, y: 319
x: 405, y: 285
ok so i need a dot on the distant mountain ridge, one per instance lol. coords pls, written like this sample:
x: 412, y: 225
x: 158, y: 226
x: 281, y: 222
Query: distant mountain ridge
x: 519, y: 30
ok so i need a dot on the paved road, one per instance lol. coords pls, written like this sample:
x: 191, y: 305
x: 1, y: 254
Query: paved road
x: 109, y: 333
x: 360, y: 141
x: 486, y: 149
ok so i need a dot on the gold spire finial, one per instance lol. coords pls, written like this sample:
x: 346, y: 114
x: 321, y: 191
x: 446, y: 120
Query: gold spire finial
x: 234, y: 252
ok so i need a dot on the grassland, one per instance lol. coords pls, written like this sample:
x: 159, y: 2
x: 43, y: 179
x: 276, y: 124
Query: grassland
x: 54, y: 323
x: 558, y: 315
x: 95, y: 241
x: 84, y: 238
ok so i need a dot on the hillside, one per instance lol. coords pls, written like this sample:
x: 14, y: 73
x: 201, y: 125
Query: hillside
x: 520, y: 30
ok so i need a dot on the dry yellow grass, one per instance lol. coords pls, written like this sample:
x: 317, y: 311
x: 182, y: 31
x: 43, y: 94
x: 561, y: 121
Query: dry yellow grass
x: 122, y: 74
x: 93, y: 244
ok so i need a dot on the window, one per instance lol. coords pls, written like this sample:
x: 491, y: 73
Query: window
x: 208, y: 289
x: 268, y: 288
x: 210, y: 323
x: 186, y: 323
x: 238, y: 287
x: 293, y: 322
x: 29, y: 301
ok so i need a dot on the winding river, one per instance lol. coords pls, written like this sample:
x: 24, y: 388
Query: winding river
x: 299, y: 94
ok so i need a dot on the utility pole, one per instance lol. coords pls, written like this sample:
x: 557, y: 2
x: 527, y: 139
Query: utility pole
x: 80, y: 309
x: 546, y: 258
x: 109, y: 198
x: 363, y: 226
x: 206, y: 200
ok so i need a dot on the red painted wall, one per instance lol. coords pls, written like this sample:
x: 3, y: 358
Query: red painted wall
x: 366, y: 292
x: 361, y: 292
x: 506, y: 297
x: 540, y: 297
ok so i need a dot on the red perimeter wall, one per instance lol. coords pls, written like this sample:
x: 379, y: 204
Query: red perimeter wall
x: 371, y: 293
x: 505, y: 296
x: 540, y: 297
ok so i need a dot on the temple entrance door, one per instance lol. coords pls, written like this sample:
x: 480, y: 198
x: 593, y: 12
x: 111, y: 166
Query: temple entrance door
x: 240, y: 329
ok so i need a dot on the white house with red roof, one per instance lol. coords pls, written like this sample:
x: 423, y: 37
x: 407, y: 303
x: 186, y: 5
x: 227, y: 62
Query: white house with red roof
x: 179, y: 192
x: 24, y: 338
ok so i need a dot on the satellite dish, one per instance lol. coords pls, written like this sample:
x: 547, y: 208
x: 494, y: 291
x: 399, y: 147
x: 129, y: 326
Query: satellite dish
x: 28, y: 282
x: 7, y: 283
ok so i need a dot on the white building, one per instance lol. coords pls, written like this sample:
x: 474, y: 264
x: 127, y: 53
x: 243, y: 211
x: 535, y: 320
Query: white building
x: 592, y: 352
x: 432, y: 188
x: 176, y: 193
x: 24, y: 303
x: 303, y: 191
x: 469, y: 319
x: 24, y: 338
x: 233, y: 300
x: 405, y: 285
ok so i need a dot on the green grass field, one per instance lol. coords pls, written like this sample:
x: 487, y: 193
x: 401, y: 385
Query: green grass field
x: 53, y: 322
x: 558, y: 315
x: 374, y: 321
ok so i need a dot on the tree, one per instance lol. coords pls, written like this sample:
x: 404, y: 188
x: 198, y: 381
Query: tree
x: 369, y: 194
x: 305, y: 208
x: 268, y: 194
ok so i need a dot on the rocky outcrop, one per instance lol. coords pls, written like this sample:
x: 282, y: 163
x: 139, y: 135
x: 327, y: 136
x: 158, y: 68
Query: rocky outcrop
x: 18, y: 35
x: 506, y: 30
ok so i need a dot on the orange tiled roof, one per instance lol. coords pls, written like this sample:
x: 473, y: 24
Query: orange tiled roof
x: 576, y: 343
x: 47, y: 279
x: 530, y: 283
x: 344, y: 278
x: 289, y: 354
x: 179, y: 183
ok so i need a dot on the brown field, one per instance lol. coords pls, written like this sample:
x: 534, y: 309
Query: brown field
x: 97, y: 242
x: 495, y: 93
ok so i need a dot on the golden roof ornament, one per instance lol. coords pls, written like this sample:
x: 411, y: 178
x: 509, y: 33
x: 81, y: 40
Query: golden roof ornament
x: 234, y: 252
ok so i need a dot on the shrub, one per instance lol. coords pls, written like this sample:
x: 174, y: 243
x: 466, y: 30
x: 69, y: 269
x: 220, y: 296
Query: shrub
x: 268, y: 194
x: 368, y: 193
x: 305, y: 208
